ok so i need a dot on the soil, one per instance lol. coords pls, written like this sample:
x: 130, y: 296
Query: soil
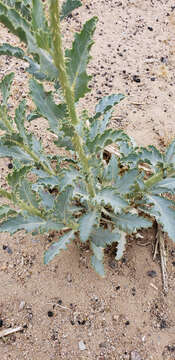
x: 67, y: 311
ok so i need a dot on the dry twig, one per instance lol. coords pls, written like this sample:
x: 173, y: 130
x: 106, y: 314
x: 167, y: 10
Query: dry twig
x: 10, y: 331
x: 160, y: 243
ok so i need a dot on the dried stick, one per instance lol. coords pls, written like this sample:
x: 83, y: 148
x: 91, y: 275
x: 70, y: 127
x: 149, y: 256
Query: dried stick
x: 160, y: 242
x: 10, y: 331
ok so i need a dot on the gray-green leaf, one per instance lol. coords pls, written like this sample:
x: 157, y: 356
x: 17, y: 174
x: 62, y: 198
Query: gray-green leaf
x: 5, y: 87
x: 102, y: 238
x: 98, y: 266
x: 87, y: 223
x: 164, y: 212
x: 46, y: 106
x: 129, y: 223
x: 78, y: 58
x: 68, y: 6
x: 57, y: 246
x: 110, y: 197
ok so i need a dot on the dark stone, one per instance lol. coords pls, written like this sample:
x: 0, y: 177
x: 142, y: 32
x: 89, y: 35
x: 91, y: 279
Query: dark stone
x: 83, y: 322
x: 136, y: 78
x: 117, y: 287
x: 10, y: 166
x: 50, y: 313
x: 152, y: 273
x: 163, y: 324
x: 133, y: 291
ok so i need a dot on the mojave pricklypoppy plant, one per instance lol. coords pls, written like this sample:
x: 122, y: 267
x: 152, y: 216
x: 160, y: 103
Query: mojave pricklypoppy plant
x: 82, y: 195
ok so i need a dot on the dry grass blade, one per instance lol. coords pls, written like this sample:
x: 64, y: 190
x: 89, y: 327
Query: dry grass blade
x: 10, y: 331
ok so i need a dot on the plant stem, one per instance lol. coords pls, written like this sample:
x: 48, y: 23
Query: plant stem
x: 51, y: 172
x: 59, y: 61
x: 5, y: 119
x: 158, y: 177
x: 30, y: 209
x: 5, y: 194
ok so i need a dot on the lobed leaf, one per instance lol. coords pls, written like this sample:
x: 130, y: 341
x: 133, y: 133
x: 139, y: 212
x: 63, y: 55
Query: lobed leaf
x: 11, y: 19
x: 57, y: 246
x: 121, y: 246
x: 97, y: 265
x: 5, y: 87
x: 125, y: 182
x: 111, y: 171
x: 107, y: 102
x: 102, y: 238
x: 20, y: 115
x: 164, y: 186
x: 69, y: 178
x: 98, y: 251
x: 35, y: 70
x: 47, y: 200
x: 170, y: 154
x: 6, y: 211
x: 46, y: 106
x: 29, y: 224
x: 105, y: 106
x: 15, y: 152
x: 101, y: 140
x: 19, y: 26
x: 17, y: 176
x: 130, y: 223
x: 109, y: 196
x: 164, y: 212
x: 26, y: 194
x: 78, y: 58
x: 9, y: 50
x: 62, y: 209
x: 38, y: 16
x: 98, y: 125
x: 152, y: 156
x: 68, y: 6
x: 87, y: 223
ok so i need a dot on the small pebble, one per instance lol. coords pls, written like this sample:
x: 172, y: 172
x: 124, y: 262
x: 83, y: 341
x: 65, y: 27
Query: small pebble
x: 22, y: 305
x: 136, y: 78
x: 150, y: 28
x: 163, y: 324
x: 69, y: 277
x: 103, y: 344
x: 50, y: 313
x: 163, y: 59
x: 6, y: 248
x: 117, y: 288
x: 112, y: 264
x: 135, y: 356
x: 10, y: 166
x: 152, y: 273
x: 81, y: 345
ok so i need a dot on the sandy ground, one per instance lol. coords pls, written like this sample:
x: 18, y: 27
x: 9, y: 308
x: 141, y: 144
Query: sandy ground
x: 65, y: 309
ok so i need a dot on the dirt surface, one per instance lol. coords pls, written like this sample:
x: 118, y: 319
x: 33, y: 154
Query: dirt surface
x: 65, y: 309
